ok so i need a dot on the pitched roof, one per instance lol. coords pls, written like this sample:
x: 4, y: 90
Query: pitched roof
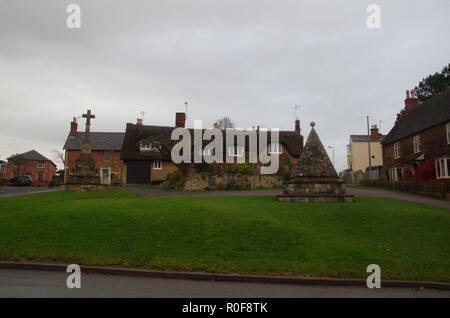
x: 426, y: 115
x: 130, y: 150
x: 100, y: 141
x: 314, y: 160
x: 365, y: 138
x: 32, y: 155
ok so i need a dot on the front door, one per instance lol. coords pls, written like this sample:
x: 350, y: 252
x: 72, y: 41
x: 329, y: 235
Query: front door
x: 138, y: 172
x: 105, y: 174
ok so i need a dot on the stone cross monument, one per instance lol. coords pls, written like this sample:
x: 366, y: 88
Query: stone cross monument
x: 314, y: 178
x: 85, y: 175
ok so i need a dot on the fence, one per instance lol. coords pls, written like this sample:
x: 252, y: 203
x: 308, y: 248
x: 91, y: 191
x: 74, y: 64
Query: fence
x: 436, y: 189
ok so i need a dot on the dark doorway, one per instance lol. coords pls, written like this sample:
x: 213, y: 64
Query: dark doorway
x: 138, y: 172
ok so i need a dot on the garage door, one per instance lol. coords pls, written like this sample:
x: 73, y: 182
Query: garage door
x: 138, y: 172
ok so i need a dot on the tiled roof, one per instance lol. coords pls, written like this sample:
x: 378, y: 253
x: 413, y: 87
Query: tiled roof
x: 32, y: 155
x: 99, y: 140
x: 428, y: 114
x: 364, y: 138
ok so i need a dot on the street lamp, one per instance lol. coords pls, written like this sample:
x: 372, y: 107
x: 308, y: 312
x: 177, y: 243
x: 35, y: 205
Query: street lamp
x: 331, y: 147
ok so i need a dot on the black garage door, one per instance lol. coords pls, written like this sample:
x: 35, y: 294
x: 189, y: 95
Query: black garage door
x: 138, y: 172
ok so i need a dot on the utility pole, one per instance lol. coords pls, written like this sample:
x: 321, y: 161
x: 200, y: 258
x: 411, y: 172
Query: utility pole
x: 368, y: 143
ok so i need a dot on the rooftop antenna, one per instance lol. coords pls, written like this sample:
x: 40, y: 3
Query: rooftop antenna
x: 379, y: 124
x: 142, y: 113
x: 297, y: 107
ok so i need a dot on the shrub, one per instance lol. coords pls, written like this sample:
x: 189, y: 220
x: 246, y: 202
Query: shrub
x: 174, y: 181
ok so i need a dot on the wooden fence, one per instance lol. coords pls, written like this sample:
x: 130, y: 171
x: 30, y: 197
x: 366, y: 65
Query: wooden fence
x: 436, y: 189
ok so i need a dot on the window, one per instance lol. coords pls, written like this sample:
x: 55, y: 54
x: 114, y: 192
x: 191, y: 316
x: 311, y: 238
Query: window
x: 41, y: 165
x: 40, y: 177
x: 448, y: 132
x: 235, y: 151
x: 107, y: 156
x: 396, y: 150
x: 275, y: 149
x: 396, y: 174
x: 443, y: 168
x: 349, y: 150
x: 15, y: 164
x: 157, y: 165
x: 416, y: 142
x: 148, y: 145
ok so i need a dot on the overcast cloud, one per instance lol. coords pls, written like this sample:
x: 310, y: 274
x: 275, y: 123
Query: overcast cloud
x: 249, y: 60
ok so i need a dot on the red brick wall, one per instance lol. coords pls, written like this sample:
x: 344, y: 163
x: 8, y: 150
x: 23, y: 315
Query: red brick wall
x: 433, y: 145
x: 48, y: 170
x: 115, y: 163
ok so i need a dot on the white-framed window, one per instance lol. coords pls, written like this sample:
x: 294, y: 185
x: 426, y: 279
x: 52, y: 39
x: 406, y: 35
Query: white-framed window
x: 40, y: 176
x: 146, y: 145
x: 107, y: 156
x: 275, y: 148
x: 442, y: 168
x: 448, y: 132
x: 395, y: 174
x: 235, y: 151
x: 396, y: 150
x: 41, y: 165
x: 416, y: 142
x: 157, y: 165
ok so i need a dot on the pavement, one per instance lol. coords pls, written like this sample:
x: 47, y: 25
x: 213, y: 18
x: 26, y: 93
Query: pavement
x: 42, y: 284
x: 6, y: 191
x: 155, y: 191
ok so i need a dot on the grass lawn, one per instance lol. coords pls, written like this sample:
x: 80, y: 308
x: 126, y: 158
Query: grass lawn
x: 256, y: 235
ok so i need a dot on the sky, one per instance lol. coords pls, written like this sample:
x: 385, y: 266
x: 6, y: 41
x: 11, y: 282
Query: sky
x: 251, y: 60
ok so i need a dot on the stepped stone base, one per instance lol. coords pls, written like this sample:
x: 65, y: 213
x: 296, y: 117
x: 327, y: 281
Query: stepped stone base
x: 309, y: 198
x: 84, y: 187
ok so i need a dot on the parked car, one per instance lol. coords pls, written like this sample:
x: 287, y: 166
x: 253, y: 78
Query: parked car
x: 22, y: 181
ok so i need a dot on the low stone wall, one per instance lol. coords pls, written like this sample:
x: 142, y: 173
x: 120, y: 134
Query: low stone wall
x: 84, y: 187
x: 195, y: 182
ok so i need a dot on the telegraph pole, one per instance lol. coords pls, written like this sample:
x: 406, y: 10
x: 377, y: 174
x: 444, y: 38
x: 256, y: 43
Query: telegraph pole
x: 368, y: 143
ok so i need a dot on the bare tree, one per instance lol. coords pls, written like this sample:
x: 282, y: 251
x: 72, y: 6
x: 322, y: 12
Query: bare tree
x: 58, y: 156
x: 225, y: 122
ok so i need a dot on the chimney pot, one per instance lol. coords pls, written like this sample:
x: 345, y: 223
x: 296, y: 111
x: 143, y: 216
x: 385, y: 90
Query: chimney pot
x: 411, y: 101
x: 297, y: 126
x: 73, y: 127
x: 374, y: 134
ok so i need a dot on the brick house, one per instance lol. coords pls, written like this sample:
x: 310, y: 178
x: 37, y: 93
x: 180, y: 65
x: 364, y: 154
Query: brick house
x: 33, y: 164
x: 106, y: 148
x: 418, y: 146
x: 147, y: 164
x: 3, y: 169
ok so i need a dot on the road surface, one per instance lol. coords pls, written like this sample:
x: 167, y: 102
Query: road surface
x: 30, y: 283
x: 6, y: 191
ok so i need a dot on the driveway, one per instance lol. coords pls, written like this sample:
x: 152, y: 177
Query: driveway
x: 155, y: 191
x: 29, y: 283
x: 6, y: 192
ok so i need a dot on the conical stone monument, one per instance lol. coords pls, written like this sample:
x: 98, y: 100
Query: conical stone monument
x: 314, y: 178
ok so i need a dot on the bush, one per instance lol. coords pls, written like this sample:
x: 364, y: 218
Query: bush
x: 174, y: 181
x: 242, y: 169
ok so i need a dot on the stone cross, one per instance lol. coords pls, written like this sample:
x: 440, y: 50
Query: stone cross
x: 86, y: 147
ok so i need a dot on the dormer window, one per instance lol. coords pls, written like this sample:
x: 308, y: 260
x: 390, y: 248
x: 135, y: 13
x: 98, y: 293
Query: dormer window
x: 148, y: 146
x: 275, y: 148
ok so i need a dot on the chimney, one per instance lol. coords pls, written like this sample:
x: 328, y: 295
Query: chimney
x: 138, y: 122
x: 411, y: 101
x: 374, y: 135
x: 297, y: 126
x: 216, y: 126
x: 73, y: 127
x: 180, y: 120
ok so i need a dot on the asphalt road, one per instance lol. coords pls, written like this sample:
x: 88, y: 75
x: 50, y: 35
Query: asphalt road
x: 6, y: 191
x: 27, y: 283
